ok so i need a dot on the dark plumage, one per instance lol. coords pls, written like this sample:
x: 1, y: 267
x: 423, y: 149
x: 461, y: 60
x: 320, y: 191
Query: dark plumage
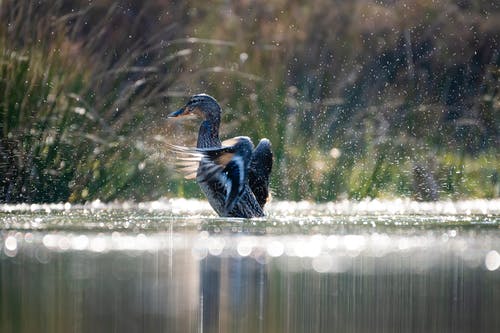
x: 233, y: 175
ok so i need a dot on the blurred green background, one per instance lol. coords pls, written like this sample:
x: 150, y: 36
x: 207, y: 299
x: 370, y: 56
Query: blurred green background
x: 359, y: 98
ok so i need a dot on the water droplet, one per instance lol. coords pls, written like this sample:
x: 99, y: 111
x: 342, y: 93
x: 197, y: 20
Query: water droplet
x: 322, y: 264
x: 80, y: 242
x: 492, y: 260
x: 243, y: 57
x: 244, y: 248
x: 98, y: 244
x: 10, y: 246
x: 216, y: 246
x: 275, y: 248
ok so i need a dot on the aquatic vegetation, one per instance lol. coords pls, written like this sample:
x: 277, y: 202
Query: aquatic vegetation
x: 75, y: 107
x: 403, y: 94
x: 360, y: 99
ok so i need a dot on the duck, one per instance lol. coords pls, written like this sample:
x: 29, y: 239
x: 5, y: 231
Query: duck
x: 233, y: 174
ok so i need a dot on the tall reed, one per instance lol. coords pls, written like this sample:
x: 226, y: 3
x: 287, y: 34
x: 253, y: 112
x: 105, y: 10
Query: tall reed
x: 362, y: 98
x: 359, y: 98
x: 80, y: 89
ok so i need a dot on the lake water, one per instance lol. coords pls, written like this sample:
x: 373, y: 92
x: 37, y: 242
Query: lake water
x: 173, y: 266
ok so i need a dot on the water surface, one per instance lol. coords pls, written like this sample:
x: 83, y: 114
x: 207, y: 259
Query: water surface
x: 173, y: 266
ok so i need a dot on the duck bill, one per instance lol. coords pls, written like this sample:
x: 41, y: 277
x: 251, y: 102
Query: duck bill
x: 179, y: 113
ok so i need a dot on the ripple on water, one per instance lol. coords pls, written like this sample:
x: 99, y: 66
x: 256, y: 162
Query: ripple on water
x: 326, y: 237
x: 320, y: 252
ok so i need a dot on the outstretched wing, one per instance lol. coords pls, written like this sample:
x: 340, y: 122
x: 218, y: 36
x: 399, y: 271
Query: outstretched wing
x: 221, y: 166
x: 188, y: 160
x: 260, y: 171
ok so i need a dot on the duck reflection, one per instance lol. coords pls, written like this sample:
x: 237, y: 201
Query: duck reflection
x: 232, y: 293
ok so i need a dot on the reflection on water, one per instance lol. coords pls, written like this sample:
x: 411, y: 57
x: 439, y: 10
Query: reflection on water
x: 347, y: 267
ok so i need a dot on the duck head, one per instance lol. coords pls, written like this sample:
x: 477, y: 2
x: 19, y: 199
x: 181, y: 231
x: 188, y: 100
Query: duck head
x: 201, y: 105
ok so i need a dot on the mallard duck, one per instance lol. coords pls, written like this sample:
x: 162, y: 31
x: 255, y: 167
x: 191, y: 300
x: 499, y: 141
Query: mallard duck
x: 233, y: 174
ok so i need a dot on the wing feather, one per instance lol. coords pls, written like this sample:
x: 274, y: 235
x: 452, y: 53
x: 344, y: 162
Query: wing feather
x: 223, y: 166
x: 235, y: 173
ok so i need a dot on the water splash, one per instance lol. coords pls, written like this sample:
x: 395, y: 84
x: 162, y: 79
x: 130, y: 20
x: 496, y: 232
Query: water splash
x: 193, y: 207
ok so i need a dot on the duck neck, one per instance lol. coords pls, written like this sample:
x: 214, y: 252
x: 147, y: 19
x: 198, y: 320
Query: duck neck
x: 208, y: 136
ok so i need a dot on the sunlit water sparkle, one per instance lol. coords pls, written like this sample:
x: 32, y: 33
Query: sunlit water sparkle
x: 190, y: 271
